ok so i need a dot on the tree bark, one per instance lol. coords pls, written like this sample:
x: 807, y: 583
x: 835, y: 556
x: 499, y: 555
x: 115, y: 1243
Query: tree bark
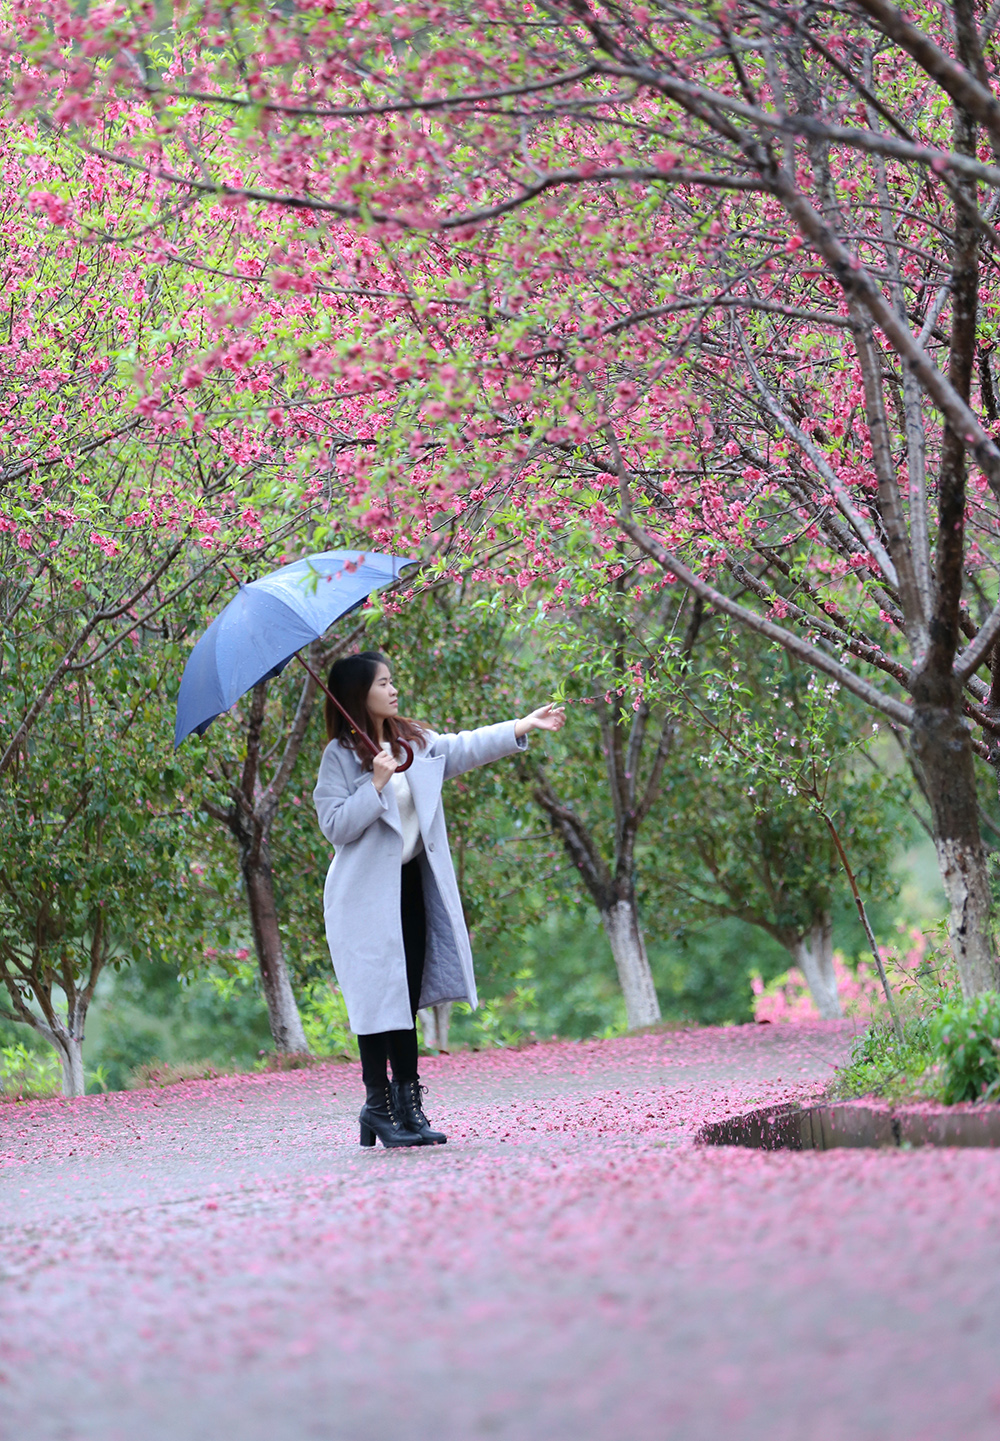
x: 942, y: 749
x: 435, y: 1021
x: 813, y: 954
x: 939, y: 736
x: 621, y: 924
x: 615, y: 901
x: 282, y: 1010
x: 67, y: 1042
x: 64, y: 1036
x: 70, y: 1049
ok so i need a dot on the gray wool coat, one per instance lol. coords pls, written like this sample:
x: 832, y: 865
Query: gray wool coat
x: 362, y: 894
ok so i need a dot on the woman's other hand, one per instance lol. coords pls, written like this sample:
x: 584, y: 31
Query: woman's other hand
x: 383, y: 766
x: 545, y: 718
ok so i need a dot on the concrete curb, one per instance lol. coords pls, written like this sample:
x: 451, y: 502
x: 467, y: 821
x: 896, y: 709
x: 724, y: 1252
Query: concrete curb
x: 825, y: 1127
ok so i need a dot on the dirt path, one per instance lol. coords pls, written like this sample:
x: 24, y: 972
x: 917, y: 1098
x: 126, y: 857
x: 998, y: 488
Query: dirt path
x: 220, y: 1260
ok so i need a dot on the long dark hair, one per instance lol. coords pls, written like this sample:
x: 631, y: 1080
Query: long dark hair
x: 350, y: 680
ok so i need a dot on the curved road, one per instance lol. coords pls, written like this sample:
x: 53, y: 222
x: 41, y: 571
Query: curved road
x: 220, y: 1260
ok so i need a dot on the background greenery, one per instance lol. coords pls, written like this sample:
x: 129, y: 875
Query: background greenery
x: 185, y: 986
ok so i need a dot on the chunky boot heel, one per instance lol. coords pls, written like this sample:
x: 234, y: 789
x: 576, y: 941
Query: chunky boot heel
x: 381, y: 1117
x: 406, y: 1095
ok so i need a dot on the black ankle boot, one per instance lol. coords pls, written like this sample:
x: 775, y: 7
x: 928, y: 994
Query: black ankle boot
x: 406, y: 1095
x: 381, y: 1117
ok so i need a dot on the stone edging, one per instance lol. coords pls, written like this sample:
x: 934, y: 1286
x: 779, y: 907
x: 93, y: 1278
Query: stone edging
x: 791, y: 1127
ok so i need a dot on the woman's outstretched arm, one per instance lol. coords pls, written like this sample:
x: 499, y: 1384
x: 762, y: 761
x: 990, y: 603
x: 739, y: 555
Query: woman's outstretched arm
x: 545, y: 718
x: 465, y: 750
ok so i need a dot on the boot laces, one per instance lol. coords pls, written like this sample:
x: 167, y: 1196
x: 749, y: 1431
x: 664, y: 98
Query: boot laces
x: 414, y: 1092
x: 394, y: 1116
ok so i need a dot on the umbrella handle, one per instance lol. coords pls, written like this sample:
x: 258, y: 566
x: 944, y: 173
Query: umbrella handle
x: 362, y: 735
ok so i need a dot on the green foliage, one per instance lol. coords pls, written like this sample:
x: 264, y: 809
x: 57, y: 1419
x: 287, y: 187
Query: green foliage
x: 703, y: 974
x: 156, y: 1014
x: 558, y: 979
x: 965, y: 1044
x: 90, y: 867
x: 952, y: 1055
x: 879, y: 1066
x: 951, y: 1047
x: 154, y: 1020
x: 129, y: 1040
x: 186, y: 990
x: 762, y: 755
x: 566, y: 984
x: 26, y: 1075
x: 506, y: 1020
x: 324, y: 1020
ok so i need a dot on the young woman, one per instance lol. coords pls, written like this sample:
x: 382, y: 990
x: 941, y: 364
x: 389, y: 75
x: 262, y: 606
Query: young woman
x: 393, y: 914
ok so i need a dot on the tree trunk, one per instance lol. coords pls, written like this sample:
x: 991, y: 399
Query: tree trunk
x: 621, y: 923
x: 813, y: 955
x: 67, y: 1039
x: 70, y: 1050
x: 282, y: 1010
x: 941, y: 745
x: 435, y: 1021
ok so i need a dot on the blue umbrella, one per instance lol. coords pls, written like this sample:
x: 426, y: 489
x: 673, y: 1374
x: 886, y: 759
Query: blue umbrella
x: 267, y: 622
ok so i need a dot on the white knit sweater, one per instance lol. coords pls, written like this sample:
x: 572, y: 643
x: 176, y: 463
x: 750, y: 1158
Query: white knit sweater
x: 412, y: 844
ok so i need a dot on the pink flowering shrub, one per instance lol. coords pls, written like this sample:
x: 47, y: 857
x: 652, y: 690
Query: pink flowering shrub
x: 909, y: 966
x: 787, y: 997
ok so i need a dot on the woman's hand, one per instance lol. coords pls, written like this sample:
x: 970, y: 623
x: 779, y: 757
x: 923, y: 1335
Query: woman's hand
x: 545, y: 718
x: 383, y: 766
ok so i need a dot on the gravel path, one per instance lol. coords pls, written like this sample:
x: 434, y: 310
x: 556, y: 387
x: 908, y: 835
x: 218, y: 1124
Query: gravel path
x: 220, y: 1260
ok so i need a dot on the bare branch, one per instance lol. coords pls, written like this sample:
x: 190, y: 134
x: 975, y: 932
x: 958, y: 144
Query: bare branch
x: 810, y: 654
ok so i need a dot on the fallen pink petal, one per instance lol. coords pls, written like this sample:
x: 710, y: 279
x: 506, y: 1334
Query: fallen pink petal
x: 570, y: 1265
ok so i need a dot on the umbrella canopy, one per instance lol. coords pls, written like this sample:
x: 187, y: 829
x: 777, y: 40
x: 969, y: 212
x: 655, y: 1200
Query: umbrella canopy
x: 267, y: 621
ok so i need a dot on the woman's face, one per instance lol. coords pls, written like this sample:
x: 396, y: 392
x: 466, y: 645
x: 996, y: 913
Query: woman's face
x: 383, y: 700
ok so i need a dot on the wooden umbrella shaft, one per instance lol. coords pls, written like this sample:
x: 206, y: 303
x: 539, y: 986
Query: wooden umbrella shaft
x: 331, y: 697
x: 375, y: 750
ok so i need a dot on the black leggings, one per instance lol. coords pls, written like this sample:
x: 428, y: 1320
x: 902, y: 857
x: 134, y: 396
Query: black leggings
x: 399, y: 1048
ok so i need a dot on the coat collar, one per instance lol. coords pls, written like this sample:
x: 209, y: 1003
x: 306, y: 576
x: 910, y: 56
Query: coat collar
x: 426, y: 777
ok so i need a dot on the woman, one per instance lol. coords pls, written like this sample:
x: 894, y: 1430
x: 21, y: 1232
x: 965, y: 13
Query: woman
x: 393, y: 914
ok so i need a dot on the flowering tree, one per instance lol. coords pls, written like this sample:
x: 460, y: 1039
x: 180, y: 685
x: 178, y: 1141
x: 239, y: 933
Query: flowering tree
x: 114, y: 497
x: 721, y: 277
x: 118, y: 500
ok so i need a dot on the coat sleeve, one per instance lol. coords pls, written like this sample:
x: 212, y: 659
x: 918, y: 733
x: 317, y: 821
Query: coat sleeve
x: 468, y: 749
x: 345, y: 810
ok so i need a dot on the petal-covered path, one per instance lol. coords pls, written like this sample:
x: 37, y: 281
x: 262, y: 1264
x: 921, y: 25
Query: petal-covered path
x: 220, y: 1260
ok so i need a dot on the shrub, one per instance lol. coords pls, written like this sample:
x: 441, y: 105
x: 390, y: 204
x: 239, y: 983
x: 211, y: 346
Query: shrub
x: 787, y: 998
x: 324, y: 1020
x: 879, y: 1066
x: 27, y: 1075
x: 965, y: 1044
